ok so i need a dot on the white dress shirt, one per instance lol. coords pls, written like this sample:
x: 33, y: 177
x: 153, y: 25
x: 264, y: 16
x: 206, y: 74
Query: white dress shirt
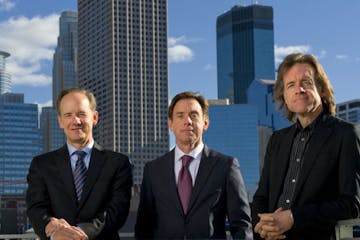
x: 194, y: 164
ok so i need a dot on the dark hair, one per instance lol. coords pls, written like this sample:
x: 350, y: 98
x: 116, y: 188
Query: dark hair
x: 189, y: 95
x: 88, y: 94
x: 322, y: 83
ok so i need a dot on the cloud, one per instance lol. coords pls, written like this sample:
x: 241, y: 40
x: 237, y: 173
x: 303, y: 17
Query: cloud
x: 6, y: 5
x: 341, y: 56
x: 281, y: 52
x: 178, y: 52
x: 31, y: 42
x: 45, y: 104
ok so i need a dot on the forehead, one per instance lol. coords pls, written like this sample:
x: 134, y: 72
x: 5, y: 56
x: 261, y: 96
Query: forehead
x: 299, y: 70
x: 74, y: 99
x: 187, y: 104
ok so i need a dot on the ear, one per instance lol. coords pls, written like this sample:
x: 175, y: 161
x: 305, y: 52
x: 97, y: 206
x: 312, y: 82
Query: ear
x: 60, y: 122
x: 206, y: 123
x: 95, y: 117
x: 170, y: 124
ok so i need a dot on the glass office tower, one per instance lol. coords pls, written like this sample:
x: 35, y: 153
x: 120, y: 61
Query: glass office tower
x: 123, y: 60
x: 19, y: 141
x: 233, y: 131
x: 245, y: 50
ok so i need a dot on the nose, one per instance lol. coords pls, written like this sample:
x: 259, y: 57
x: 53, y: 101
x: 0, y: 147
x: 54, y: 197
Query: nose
x: 76, y: 120
x: 187, y: 120
x: 300, y: 88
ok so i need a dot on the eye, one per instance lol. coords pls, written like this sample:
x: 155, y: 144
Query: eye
x: 307, y: 83
x: 67, y: 115
x: 290, y: 85
x: 194, y: 116
x: 179, y: 115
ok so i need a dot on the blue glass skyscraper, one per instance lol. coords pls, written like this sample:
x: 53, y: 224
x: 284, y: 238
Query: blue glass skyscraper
x: 233, y: 131
x: 19, y: 141
x: 245, y: 50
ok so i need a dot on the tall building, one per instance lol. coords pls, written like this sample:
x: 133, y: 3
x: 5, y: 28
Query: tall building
x: 260, y: 93
x: 245, y: 50
x: 64, y: 76
x: 233, y: 131
x: 65, y: 56
x: 123, y: 60
x: 349, y: 110
x: 19, y: 141
x: 5, y: 78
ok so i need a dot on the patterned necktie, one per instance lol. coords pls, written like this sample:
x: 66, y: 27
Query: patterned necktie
x: 185, y: 182
x: 79, y: 173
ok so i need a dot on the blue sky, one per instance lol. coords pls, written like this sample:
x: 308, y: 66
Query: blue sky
x: 328, y: 29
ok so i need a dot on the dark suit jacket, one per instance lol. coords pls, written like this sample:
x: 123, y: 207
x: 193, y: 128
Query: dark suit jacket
x: 105, y: 201
x: 218, y: 192
x: 328, y: 186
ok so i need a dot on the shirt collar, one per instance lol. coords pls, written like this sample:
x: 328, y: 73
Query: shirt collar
x: 195, y: 153
x: 312, y: 125
x: 86, y: 149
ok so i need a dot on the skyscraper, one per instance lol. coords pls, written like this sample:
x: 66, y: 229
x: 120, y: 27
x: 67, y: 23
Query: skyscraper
x: 123, y: 60
x: 64, y: 76
x: 19, y: 141
x: 233, y: 131
x: 245, y: 50
x: 65, y: 57
x: 5, y: 78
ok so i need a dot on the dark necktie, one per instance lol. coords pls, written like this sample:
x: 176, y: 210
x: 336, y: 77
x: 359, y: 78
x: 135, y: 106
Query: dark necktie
x: 79, y: 173
x: 185, y: 182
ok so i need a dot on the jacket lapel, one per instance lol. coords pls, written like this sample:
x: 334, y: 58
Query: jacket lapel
x: 170, y: 181
x: 97, y: 161
x: 62, y: 160
x: 206, y: 165
x: 282, y: 160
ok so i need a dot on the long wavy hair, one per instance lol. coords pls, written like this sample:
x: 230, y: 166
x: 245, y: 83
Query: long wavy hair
x: 322, y: 83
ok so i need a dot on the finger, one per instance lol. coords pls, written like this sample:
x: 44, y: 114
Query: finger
x: 266, y: 217
x: 269, y: 228
x: 278, y: 210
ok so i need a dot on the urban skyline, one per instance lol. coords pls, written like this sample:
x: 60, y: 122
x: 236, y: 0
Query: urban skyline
x: 32, y: 32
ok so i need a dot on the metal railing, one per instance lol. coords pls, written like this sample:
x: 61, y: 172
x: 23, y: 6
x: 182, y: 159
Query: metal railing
x: 24, y: 236
x: 33, y: 236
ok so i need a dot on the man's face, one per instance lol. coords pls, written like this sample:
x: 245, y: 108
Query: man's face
x: 77, y: 119
x: 188, y: 122
x: 300, y: 92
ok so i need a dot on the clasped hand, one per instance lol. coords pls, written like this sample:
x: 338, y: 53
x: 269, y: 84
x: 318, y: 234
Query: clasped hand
x: 60, y: 229
x: 272, y: 226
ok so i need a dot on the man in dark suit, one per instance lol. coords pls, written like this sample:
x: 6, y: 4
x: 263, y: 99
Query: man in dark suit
x: 191, y: 190
x: 96, y: 204
x: 311, y: 173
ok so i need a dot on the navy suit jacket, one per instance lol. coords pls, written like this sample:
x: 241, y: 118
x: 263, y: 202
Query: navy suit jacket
x: 328, y: 188
x: 105, y: 201
x: 218, y: 192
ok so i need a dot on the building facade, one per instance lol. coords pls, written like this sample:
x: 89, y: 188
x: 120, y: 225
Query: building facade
x: 245, y: 50
x: 19, y: 141
x: 233, y: 131
x: 123, y: 60
x: 349, y: 110
x: 5, y: 77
